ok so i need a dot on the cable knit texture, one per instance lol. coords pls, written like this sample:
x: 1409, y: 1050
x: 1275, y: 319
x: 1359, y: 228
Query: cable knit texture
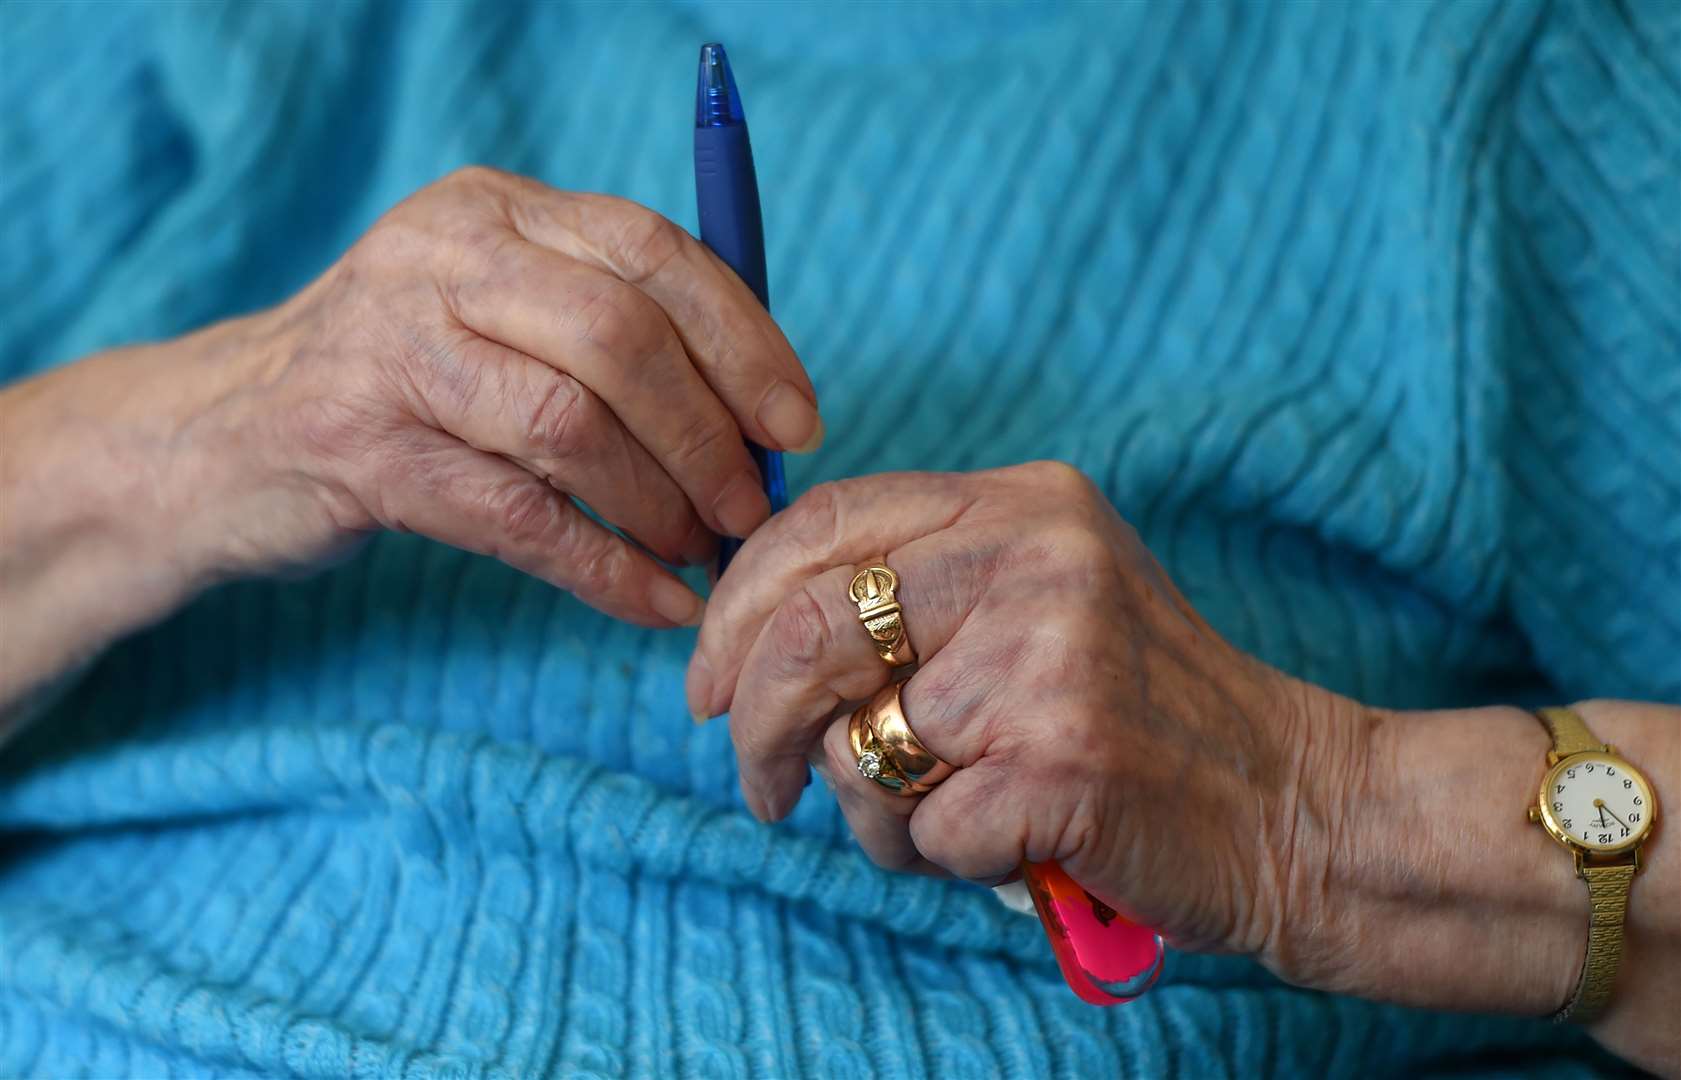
x: 1365, y: 314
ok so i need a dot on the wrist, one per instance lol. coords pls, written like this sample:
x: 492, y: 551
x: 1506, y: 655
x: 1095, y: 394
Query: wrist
x: 1324, y: 825
x: 1437, y: 892
x: 184, y: 458
x: 236, y: 490
x: 1444, y: 895
x: 132, y: 480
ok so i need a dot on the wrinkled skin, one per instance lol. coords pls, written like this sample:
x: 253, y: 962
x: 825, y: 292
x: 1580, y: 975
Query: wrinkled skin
x: 489, y: 350
x: 492, y: 342
x: 1094, y: 716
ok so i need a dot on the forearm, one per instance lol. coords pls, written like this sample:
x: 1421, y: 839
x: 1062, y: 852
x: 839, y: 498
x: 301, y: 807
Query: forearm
x: 1445, y: 896
x: 109, y: 478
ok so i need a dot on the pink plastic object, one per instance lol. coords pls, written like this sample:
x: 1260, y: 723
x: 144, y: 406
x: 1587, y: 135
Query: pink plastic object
x: 1105, y: 959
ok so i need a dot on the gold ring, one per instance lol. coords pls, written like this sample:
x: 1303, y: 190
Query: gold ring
x: 887, y: 719
x: 873, y: 589
x: 886, y: 749
x: 871, y: 754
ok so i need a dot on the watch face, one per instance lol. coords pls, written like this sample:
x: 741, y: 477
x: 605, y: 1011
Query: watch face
x: 1597, y: 802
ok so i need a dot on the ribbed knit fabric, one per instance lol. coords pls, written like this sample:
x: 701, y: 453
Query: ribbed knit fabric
x: 1365, y: 314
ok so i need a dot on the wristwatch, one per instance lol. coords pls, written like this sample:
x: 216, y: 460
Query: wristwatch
x: 1602, y: 810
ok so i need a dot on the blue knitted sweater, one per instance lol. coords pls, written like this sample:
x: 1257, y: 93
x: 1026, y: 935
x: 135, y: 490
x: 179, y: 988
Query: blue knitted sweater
x: 1365, y: 314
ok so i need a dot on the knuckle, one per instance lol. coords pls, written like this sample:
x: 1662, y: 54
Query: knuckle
x: 480, y: 242
x: 602, y: 571
x: 1059, y: 476
x: 813, y: 522
x: 943, y: 844
x: 1080, y: 546
x: 393, y: 241
x: 645, y: 242
x: 895, y: 858
x: 558, y: 425
x: 702, y: 435
x: 525, y: 512
x: 435, y: 369
x: 1060, y: 647
x: 1068, y: 553
x: 752, y: 747
x: 801, y: 629
x: 947, y: 687
x: 475, y: 177
x: 1071, y: 488
x: 976, y: 834
x: 617, y: 321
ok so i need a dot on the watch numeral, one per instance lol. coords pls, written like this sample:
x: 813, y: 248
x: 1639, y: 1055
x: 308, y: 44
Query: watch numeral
x: 1605, y: 838
x: 1628, y: 783
x: 1637, y: 800
x: 1570, y: 773
x: 1588, y: 767
x: 1561, y: 789
x: 1634, y: 817
x: 1567, y: 823
x: 1558, y: 806
x: 1609, y: 771
x: 1625, y: 830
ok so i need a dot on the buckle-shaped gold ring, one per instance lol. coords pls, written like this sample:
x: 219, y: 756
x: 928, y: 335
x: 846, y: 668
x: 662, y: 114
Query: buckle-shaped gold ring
x: 875, y: 590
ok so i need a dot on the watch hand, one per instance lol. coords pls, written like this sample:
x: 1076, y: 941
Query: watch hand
x: 1608, y: 810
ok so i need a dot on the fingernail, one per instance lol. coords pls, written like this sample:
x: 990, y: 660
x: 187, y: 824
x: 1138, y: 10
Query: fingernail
x: 700, y: 547
x: 697, y: 688
x: 812, y: 443
x: 791, y: 418
x: 673, y: 600
x: 742, y: 506
x: 778, y: 804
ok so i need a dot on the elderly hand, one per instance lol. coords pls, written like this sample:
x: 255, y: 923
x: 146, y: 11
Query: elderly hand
x: 1093, y: 716
x: 493, y: 345
x: 489, y: 349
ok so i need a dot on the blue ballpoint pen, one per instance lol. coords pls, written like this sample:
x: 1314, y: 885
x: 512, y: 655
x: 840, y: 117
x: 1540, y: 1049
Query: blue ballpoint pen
x: 727, y: 195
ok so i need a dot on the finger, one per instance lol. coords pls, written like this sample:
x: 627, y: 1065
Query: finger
x: 615, y: 340
x: 966, y: 826
x: 736, y: 345
x: 442, y: 488
x: 502, y: 401
x: 837, y: 524
x: 966, y: 696
x: 813, y: 654
x: 878, y: 818
x: 1026, y: 762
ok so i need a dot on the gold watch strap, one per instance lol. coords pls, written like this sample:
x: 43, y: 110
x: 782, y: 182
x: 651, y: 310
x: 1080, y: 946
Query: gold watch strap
x: 1608, y: 887
x: 1608, y: 899
x: 1570, y: 734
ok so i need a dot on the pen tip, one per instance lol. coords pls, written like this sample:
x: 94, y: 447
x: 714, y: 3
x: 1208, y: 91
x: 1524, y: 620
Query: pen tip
x: 717, y: 103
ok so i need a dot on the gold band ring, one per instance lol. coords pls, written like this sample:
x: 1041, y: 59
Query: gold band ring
x: 886, y: 749
x: 887, y: 719
x: 874, y: 590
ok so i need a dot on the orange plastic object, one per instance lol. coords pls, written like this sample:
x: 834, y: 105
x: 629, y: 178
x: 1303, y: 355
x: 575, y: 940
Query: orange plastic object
x: 1106, y: 959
